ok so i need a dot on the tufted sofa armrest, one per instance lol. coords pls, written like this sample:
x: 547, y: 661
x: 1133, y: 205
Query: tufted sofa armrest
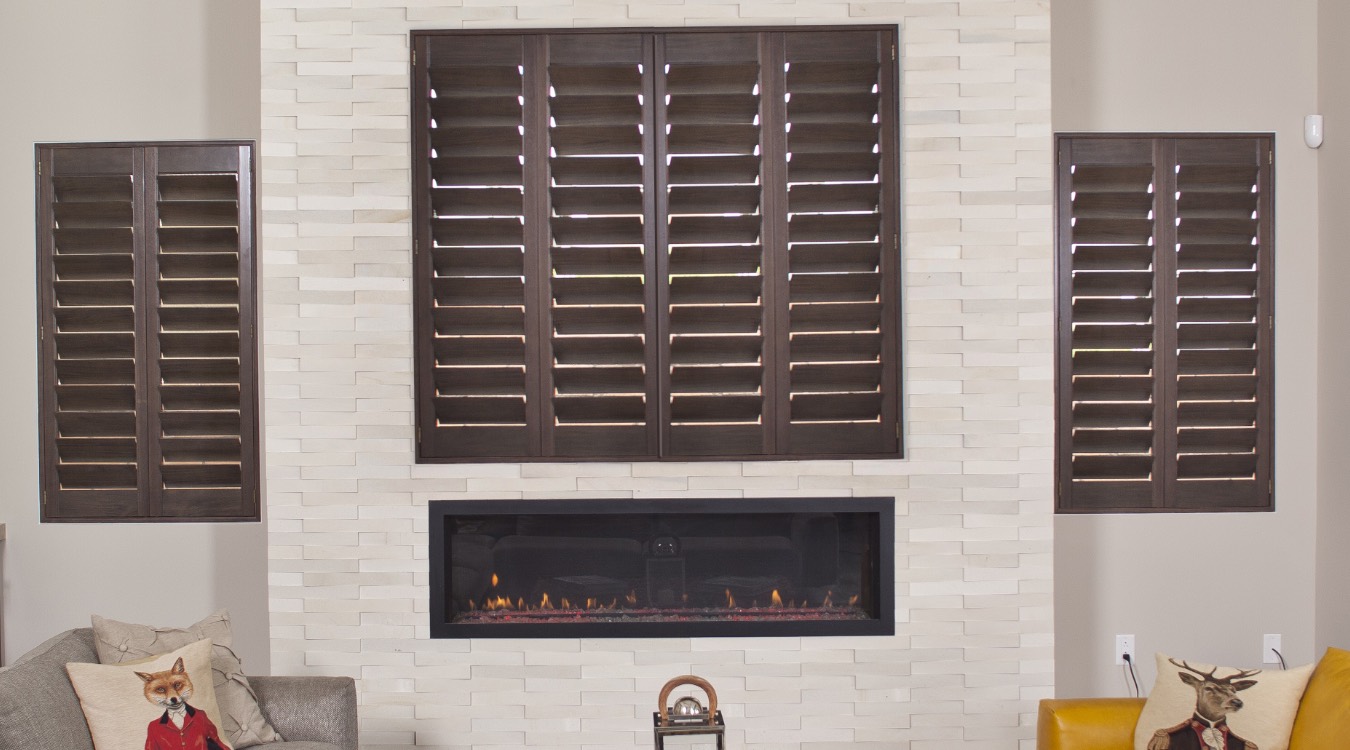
x: 310, y: 708
x: 1088, y: 723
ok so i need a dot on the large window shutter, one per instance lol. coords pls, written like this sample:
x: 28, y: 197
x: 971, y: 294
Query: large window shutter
x: 720, y: 197
x: 843, y: 244
x: 147, y: 309
x: 600, y: 271
x: 475, y: 311
x: 1165, y: 387
x: 694, y: 254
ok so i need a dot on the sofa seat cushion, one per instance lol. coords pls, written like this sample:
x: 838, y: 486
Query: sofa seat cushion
x: 38, y: 707
x: 299, y: 746
x: 1324, y: 713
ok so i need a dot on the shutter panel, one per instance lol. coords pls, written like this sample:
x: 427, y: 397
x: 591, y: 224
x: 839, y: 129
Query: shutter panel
x: 203, y: 433
x: 617, y: 254
x: 1108, y: 338
x: 841, y: 312
x: 1223, y: 324
x: 600, y: 272
x: 474, y: 372
x: 1165, y: 390
x: 147, y: 292
x: 92, y: 384
x: 718, y: 204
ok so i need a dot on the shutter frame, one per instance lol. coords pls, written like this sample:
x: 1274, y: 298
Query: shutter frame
x: 232, y: 500
x: 711, y: 124
x: 1206, y: 281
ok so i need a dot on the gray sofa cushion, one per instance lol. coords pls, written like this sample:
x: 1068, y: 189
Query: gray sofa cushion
x: 38, y: 707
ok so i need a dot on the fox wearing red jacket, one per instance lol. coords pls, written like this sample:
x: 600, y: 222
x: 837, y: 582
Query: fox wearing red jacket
x: 182, y: 727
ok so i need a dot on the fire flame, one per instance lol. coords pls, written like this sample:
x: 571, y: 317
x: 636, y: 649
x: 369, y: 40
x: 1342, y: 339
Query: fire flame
x: 731, y: 600
x: 777, y: 600
x: 853, y: 600
x: 544, y: 603
x: 829, y: 600
x: 494, y: 580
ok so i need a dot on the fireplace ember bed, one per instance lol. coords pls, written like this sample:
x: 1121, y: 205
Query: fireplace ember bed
x: 662, y: 568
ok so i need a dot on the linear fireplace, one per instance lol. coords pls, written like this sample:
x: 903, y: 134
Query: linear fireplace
x: 660, y: 568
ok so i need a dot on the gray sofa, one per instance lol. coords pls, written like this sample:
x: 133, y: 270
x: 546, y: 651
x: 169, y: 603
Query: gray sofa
x: 39, y: 710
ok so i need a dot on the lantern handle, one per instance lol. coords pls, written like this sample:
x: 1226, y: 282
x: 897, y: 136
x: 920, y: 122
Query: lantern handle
x: 687, y: 679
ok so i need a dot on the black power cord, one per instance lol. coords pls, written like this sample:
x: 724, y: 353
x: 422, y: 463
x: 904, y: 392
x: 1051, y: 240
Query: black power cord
x: 1129, y: 662
x: 1281, y: 656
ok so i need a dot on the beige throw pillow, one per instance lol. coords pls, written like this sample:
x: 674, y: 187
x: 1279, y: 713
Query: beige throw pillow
x: 244, y: 724
x: 163, y: 703
x: 1202, y: 707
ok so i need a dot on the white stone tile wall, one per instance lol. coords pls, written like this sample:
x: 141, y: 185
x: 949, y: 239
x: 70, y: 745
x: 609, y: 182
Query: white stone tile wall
x: 346, y: 503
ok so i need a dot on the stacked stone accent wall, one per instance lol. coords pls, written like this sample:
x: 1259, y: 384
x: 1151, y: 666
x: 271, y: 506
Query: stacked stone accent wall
x: 346, y: 503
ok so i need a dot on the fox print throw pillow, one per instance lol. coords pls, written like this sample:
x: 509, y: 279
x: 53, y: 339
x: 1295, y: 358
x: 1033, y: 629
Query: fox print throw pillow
x: 162, y: 703
x: 245, y: 725
x: 1197, y: 706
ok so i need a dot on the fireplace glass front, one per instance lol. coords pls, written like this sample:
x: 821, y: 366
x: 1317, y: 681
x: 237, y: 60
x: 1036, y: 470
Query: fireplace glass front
x: 622, y: 568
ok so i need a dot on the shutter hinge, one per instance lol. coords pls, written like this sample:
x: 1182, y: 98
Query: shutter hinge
x: 1270, y: 157
x: 1271, y: 487
x: 42, y: 333
x: 893, y: 55
x: 419, y: 435
x: 1270, y: 322
x: 896, y: 239
x: 414, y: 56
x: 897, y: 431
x: 39, y: 169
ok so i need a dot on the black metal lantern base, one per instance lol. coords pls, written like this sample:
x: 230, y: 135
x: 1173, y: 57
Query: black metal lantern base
x: 699, y: 727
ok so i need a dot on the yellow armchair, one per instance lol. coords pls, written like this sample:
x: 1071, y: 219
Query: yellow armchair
x: 1088, y: 723
x: 1108, y: 723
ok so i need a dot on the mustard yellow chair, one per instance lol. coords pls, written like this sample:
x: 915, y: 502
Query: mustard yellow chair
x: 1323, y: 721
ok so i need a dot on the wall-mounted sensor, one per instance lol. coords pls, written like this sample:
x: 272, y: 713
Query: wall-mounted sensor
x: 1312, y: 130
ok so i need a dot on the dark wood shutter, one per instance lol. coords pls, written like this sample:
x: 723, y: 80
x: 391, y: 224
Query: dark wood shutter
x: 146, y: 288
x: 720, y: 197
x: 598, y: 263
x: 475, y: 311
x: 671, y: 284
x: 843, y: 244
x: 1165, y: 389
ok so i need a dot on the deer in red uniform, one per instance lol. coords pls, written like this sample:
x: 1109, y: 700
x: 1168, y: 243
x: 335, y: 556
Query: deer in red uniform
x: 1207, y: 729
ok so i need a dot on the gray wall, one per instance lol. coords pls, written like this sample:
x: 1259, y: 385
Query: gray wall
x: 77, y: 70
x: 1204, y: 586
x: 1333, y: 513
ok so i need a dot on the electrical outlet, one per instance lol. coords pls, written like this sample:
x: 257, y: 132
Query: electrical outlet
x: 1270, y: 643
x: 1124, y: 645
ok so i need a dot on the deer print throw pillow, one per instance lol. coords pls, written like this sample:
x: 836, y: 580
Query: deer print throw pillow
x: 1203, y: 707
x: 163, y: 703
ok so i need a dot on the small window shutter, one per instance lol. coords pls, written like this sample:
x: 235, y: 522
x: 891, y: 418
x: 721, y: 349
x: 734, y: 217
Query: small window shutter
x: 147, y: 294
x: 1165, y: 318
x: 203, y: 426
x: 1224, y: 324
x: 842, y: 287
x: 93, y: 443
x: 474, y: 372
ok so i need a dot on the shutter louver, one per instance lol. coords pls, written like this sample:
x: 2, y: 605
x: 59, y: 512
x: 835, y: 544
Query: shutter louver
x: 841, y: 328
x: 601, y: 279
x: 1165, y: 355
x: 475, y: 247
x: 149, y: 396
x: 717, y: 297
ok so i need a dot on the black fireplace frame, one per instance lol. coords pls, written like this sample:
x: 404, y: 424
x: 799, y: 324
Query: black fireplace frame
x: 882, y: 583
